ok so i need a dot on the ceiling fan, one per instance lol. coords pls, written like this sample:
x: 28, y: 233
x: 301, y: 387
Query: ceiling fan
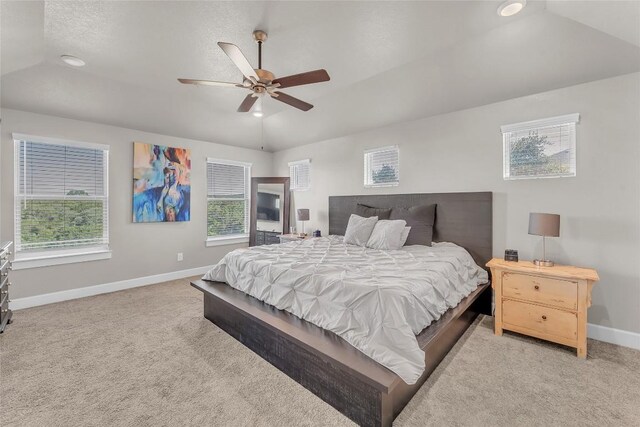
x: 262, y: 82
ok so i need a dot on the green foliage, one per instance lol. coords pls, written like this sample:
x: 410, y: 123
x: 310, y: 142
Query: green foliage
x: 45, y: 221
x: 225, y: 217
x: 77, y: 193
x: 385, y: 174
x: 528, y: 158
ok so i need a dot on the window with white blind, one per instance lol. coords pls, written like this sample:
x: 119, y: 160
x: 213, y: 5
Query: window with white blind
x: 300, y: 175
x: 543, y: 148
x: 228, y: 197
x: 382, y: 167
x: 61, y: 197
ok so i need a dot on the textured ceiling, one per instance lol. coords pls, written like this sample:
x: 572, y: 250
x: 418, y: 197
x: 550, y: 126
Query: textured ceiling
x: 388, y: 61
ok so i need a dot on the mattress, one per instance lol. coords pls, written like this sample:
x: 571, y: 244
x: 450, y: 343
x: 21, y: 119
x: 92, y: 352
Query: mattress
x: 378, y: 301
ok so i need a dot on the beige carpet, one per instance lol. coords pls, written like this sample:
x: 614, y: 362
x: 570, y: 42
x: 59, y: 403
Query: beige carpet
x: 147, y: 357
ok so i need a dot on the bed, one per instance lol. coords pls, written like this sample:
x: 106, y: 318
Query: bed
x: 325, y: 363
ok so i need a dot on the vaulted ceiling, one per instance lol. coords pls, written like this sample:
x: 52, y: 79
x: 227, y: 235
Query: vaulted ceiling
x: 388, y: 61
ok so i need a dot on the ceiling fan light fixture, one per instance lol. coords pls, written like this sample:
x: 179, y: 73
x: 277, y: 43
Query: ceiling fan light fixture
x: 257, y: 110
x: 74, y: 61
x: 511, y: 7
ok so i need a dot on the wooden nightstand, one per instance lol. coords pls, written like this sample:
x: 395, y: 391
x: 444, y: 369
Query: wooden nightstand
x: 285, y: 238
x: 549, y: 303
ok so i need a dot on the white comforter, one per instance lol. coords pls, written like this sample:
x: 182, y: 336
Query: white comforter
x: 378, y: 301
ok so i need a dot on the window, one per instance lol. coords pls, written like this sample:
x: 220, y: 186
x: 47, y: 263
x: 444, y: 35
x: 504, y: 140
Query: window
x: 541, y: 148
x: 300, y: 175
x: 227, y: 201
x: 381, y: 167
x: 61, y: 198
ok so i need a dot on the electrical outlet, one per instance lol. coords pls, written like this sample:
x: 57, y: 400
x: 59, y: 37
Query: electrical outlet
x: 180, y: 256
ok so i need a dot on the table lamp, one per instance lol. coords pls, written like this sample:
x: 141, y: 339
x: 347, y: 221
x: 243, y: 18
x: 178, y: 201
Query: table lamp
x: 545, y: 225
x: 302, y: 215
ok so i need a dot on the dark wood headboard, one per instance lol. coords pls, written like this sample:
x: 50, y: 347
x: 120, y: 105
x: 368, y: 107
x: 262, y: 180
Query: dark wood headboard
x: 465, y: 219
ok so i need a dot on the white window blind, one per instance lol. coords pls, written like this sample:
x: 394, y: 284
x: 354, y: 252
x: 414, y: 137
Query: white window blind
x: 61, y: 196
x: 227, y: 198
x: 300, y: 175
x: 543, y: 148
x: 381, y: 167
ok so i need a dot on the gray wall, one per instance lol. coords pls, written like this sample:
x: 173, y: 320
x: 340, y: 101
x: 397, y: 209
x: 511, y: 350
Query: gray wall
x: 138, y: 249
x: 462, y: 151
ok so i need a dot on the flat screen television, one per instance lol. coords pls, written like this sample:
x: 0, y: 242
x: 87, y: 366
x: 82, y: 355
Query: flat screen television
x: 268, y: 207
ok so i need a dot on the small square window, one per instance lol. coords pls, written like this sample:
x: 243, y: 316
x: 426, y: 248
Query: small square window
x: 382, y: 167
x: 300, y: 175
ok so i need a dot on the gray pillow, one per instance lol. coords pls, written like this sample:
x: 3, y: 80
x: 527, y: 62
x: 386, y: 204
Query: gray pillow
x: 420, y: 219
x: 359, y: 229
x: 368, y: 211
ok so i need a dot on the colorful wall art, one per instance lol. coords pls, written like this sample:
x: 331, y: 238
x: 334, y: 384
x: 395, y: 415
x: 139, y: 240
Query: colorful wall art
x: 161, y: 183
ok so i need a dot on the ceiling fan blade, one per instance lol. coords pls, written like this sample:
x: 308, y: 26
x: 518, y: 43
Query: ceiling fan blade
x: 208, y: 83
x: 247, y: 103
x: 235, y: 54
x: 309, y: 77
x: 294, y: 102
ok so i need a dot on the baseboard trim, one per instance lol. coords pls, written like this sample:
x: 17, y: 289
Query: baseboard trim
x: 50, y: 298
x: 614, y: 336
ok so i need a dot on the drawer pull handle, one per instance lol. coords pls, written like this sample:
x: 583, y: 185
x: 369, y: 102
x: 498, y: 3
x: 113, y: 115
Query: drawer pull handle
x: 536, y: 287
x: 544, y: 317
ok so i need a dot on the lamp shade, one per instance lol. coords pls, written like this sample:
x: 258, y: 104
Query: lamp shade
x: 302, y: 214
x: 544, y: 224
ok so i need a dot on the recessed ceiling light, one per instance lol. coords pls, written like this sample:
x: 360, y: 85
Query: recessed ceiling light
x: 511, y: 7
x: 257, y: 114
x: 73, y: 61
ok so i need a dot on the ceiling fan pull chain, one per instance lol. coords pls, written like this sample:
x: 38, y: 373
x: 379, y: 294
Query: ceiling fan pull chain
x: 259, y: 54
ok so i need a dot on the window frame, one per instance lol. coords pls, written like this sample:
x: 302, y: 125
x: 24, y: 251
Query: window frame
x: 292, y: 181
x: 368, y: 180
x: 231, y: 239
x: 537, y: 125
x: 34, y: 258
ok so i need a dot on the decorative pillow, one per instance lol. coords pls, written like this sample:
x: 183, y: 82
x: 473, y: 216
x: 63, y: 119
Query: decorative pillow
x: 405, y: 234
x: 359, y: 229
x: 421, y: 220
x: 387, y: 235
x: 368, y: 211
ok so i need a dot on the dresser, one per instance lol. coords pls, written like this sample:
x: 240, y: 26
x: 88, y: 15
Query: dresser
x: 5, y: 267
x: 549, y: 303
x: 267, y: 237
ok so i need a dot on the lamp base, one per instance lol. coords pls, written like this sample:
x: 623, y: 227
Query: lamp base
x: 543, y: 263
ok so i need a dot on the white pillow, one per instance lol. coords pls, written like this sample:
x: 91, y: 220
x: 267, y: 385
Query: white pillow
x: 387, y: 234
x: 359, y: 229
x: 405, y: 235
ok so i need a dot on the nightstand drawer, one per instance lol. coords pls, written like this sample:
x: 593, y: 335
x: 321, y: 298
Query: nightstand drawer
x: 544, y: 320
x: 544, y: 290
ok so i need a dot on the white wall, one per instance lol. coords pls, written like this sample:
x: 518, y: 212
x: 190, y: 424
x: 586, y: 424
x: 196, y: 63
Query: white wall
x: 462, y: 151
x: 138, y: 249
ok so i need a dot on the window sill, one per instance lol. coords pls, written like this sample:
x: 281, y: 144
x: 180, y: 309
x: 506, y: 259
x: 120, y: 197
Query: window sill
x: 222, y: 241
x: 390, y: 184
x: 45, y: 259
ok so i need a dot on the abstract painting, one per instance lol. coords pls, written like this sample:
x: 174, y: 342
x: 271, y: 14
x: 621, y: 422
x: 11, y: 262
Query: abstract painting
x: 161, y: 183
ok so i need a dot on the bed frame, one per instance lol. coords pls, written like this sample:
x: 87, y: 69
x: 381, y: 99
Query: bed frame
x: 324, y: 363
